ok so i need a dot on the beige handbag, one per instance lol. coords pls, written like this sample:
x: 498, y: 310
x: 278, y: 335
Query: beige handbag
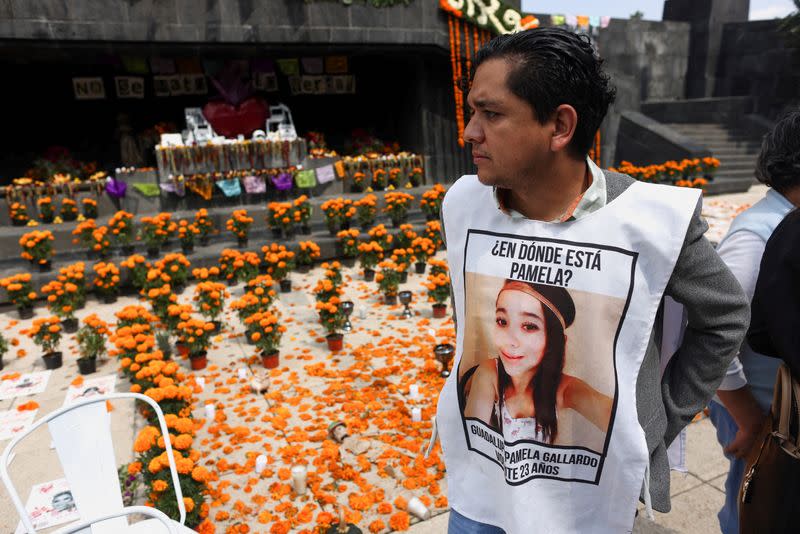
x: 769, y: 499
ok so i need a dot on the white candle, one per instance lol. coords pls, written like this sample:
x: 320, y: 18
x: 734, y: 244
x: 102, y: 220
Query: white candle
x: 210, y: 412
x: 416, y: 414
x: 201, y: 383
x: 362, y: 313
x: 261, y: 463
x: 413, y: 391
x: 299, y: 479
x: 431, y: 332
x: 242, y: 373
x: 418, y: 509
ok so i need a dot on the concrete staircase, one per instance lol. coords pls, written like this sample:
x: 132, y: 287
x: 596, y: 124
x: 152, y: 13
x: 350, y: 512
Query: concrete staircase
x: 736, y: 150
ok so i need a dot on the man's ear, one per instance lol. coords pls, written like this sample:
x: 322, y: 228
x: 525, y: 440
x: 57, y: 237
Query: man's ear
x: 565, y: 121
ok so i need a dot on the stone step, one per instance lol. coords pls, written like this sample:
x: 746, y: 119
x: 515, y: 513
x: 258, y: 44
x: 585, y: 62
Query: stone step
x: 723, y: 185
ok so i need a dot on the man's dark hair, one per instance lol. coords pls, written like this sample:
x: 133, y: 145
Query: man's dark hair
x: 550, y: 67
x: 778, y: 164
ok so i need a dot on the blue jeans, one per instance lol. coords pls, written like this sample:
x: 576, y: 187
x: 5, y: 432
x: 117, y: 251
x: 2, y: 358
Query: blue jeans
x: 459, y: 524
x: 726, y: 431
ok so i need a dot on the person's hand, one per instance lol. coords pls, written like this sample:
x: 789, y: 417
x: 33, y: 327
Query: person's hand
x: 745, y: 437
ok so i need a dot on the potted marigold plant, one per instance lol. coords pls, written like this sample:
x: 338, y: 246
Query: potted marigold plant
x: 18, y: 214
x: 69, y: 209
x: 239, y: 226
x: 302, y: 210
x: 175, y: 314
x: 347, y: 243
x: 438, y: 286
x: 431, y: 202
x: 123, y: 231
x: 46, y: 334
x: 3, y: 349
x: 157, y: 289
x: 369, y: 254
x: 394, y: 177
x: 403, y: 258
x: 280, y: 219
x: 46, y: 210
x: 389, y: 280
x: 359, y: 181
x: 366, y: 211
x: 433, y: 231
x: 76, y: 274
x: 137, y: 270
x: 100, y: 242
x: 333, y: 272
x: 415, y: 176
x: 380, y: 234
x: 265, y: 330
x: 106, y: 281
x: 405, y: 236
x: 83, y: 236
x: 397, y: 204
x: 187, y: 232
x: 177, y: 268
x: 332, y: 318
x: 204, y: 224
x: 210, y: 297
x: 91, y: 343
x: 247, y: 266
x: 20, y: 293
x: 89, y: 206
x: 279, y: 262
x: 263, y: 288
x: 196, y: 336
x: 152, y: 232
x: 423, y: 249
x: 307, y: 252
x: 37, y: 248
x: 169, y: 226
x: 338, y: 213
x: 61, y: 299
x: 378, y: 179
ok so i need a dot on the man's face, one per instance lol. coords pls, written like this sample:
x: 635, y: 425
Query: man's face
x: 509, y: 146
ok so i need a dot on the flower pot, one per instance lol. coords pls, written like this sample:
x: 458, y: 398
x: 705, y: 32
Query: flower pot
x: 91, y: 255
x: 179, y: 288
x: 182, y: 349
x: 431, y: 217
x: 349, y: 528
x: 232, y: 281
x: 286, y: 285
x: 45, y: 267
x: 87, y: 366
x: 70, y: 325
x: 109, y: 298
x: 217, y: 326
x: 439, y: 311
x: 153, y: 253
x: 127, y: 250
x: 349, y: 262
x: 333, y: 231
x: 25, y: 312
x: 305, y: 229
x: 17, y: 222
x: 335, y: 342
x: 277, y: 233
x: 166, y: 245
x: 52, y: 360
x: 345, y: 225
x: 369, y: 275
x: 404, y: 277
x: 419, y: 267
x: 397, y: 221
x: 303, y: 268
x: 199, y: 360
x: 47, y: 219
x: 204, y: 241
x: 289, y: 233
x: 241, y: 242
x: 391, y: 300
x: 1, y: 363
x: 187, y: 249
x: 271, y: 360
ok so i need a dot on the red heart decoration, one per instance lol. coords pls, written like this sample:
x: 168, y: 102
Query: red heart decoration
x: 231, y: 121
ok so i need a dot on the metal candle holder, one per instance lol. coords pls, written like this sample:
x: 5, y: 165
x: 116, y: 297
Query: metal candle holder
x: 444, y: 353
x: 405, y: 300
x: 347, y: 309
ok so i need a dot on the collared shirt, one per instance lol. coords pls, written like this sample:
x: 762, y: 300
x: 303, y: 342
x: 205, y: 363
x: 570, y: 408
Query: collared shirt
x: 594, y: 198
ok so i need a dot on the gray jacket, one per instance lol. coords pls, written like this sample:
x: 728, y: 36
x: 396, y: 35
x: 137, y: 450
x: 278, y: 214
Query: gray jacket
x: 718, y: 317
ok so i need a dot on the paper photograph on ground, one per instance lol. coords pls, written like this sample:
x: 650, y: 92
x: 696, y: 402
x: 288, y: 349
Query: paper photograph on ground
x: 50, y: 504
x: 101, y: 385
x: 537, y: 377
x: 27, y: 384
x: 14, y: 422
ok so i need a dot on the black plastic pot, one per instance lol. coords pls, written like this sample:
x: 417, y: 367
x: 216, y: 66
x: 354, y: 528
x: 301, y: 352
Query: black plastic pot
x: 349, y: 262
x: 277, y: 233
x: 127, y: 250
x: 187, y: 249
x: 153, y: 253
x: 305, y: 230
x: 70, y: 325
x: 419, y: 267
x: 204, y: 241
x: 369, y: 275
x: 404, y: 277
x: 52, y: 360
x: 286, y: 285
x: 303, y: 268
x: 391, y: 300
x: 109, y: 298
x: 87, y: 366
x: 26, y: 312
x: 45, y: 267
x: 242, y: 242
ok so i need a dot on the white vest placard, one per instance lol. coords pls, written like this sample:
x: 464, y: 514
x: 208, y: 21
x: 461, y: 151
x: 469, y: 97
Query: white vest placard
x: 538, y: 421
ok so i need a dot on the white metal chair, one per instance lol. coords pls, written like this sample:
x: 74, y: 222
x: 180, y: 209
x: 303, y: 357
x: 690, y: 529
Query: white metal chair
x: 160, y: 524
x: 92, y: 476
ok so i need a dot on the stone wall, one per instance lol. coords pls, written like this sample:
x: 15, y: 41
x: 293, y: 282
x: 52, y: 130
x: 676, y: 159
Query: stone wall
x: 756, y: 61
